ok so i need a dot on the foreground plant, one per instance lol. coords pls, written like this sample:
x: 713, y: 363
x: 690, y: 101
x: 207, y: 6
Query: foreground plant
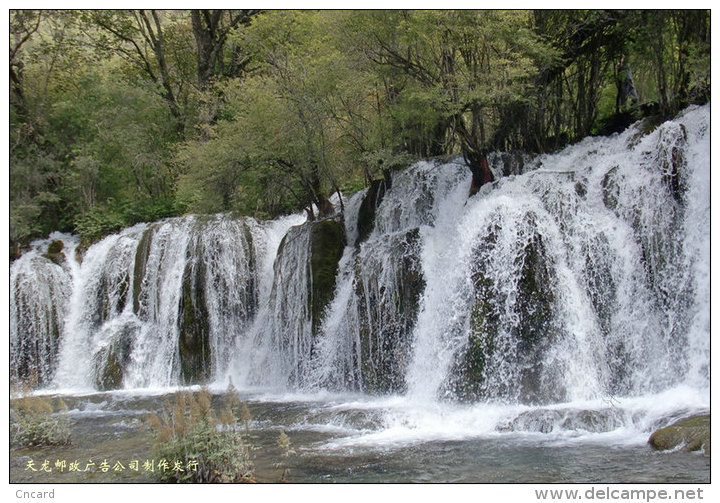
x: 194, y: 443
x: 35, y: 422
x: 285, y: 445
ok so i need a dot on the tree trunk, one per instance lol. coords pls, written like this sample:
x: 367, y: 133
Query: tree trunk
x: 205, y: 26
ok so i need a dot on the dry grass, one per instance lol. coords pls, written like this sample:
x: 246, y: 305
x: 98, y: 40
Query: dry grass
x: 189, y: 430
x: 34, y: 421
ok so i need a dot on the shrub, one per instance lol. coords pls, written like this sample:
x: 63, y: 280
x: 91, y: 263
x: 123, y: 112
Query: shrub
x: 114, y: 215
x: 33, y: 423
x: 285, y: 445
x: 203, y: 444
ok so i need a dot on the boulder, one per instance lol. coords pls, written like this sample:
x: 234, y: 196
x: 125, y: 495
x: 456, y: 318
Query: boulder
x: 54, y: 253
x: 687, y: 434
x: 112, y: 360
x: 611, y: 189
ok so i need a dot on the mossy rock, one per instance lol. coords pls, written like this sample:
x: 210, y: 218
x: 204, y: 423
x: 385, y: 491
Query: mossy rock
x: 54, y: 252
x: 386, y: 321
x: 535, y: 331
x: 327, y: 243
x: 141, y: 259
x: 109, y: 372
x: 535, y: 295
x: 531, y: 332
x: 368, y: 208
x: 194, y: 338
x: 15, y: 250
x: 468, y: 381
x: 644, y: 128
x: 83, y: 247
x: 467, y: 377
x: 112, y: 360
x: 618, y: 122
x: 55, y: 247
x: 688, y: 434
x: 55, y: 258
x: 610, y: 189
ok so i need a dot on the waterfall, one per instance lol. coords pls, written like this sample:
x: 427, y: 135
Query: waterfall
x: 40, y: 285
x: 253, y: 362
x: 581, y: 278
x: 576, y: 276
x: 160, y: 304
x: 334, y: 363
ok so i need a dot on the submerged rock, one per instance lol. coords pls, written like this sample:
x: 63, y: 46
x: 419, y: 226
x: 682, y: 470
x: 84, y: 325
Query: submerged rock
x: 540, y: 421
x: 549, y: 420
x: 688, y: 434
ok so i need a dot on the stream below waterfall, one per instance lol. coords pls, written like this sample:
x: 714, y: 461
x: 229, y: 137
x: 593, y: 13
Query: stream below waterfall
x: 354, y: 438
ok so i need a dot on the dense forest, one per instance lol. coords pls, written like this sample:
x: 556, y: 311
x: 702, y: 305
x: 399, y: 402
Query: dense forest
x: 118, y: 117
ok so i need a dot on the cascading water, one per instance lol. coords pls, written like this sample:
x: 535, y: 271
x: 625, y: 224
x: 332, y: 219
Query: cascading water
x: 574, y: 283
x: 576, y: 280
x: 160, y: 304
x: 41, y: 282
x: 253, y: 359
x: 334, y: 363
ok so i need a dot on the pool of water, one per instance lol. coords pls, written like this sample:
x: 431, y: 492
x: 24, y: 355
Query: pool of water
x: 369, y: 440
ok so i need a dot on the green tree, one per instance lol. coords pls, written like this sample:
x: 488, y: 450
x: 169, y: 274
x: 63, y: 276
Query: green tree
x: 462, y: 70
x: 123, y: 116
x: 288, y: 125
x: 141, y: 39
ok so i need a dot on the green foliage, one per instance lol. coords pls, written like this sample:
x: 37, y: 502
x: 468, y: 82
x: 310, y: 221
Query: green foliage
x: 33, y: 423
x: 111, y: 216
x: 191, y: 432
x: 123, y: 116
